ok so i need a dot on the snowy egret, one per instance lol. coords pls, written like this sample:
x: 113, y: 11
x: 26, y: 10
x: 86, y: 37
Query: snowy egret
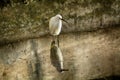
x: 55, y: 25
x: 57, y: 57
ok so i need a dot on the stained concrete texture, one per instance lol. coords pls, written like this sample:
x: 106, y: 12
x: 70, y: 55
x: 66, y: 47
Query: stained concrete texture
x: 90, y: 43
x: 88, y: 55
x: 20, y: 21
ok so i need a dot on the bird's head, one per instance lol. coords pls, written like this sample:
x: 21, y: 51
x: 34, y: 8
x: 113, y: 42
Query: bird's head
x: 60, y: 17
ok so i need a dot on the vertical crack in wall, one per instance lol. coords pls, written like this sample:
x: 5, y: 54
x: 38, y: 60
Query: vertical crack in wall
x: 36, y: 72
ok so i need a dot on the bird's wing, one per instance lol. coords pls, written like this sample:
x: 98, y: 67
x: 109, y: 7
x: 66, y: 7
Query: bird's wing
x: 53, y: 25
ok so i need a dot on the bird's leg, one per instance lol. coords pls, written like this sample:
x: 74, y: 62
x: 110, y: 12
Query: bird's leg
x: 54, y: 38
x: 58, y: 40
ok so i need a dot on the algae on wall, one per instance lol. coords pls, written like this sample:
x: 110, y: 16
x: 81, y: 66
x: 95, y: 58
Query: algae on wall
x: 23, y: 19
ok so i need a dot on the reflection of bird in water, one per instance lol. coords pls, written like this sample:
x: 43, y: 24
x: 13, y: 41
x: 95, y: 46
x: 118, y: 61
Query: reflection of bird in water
x: 55, y: 25
x: 57, y: 57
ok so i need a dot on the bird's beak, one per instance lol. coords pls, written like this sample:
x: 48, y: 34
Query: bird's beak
x: 64, y: 20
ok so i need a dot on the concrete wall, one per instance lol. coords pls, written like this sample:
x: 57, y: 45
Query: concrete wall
x: 90, y: 44
x: 20, y: 21
x: 88, y: 55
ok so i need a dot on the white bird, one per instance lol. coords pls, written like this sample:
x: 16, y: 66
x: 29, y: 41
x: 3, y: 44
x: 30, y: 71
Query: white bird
x: 55, y: 25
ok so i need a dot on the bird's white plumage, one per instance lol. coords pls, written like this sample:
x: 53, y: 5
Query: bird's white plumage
x: 55, y: 25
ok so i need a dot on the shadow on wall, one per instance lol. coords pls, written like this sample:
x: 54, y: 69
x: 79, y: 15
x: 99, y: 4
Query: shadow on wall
x: 4, y: 3
x: 109, y: 78
x: 36, y: 73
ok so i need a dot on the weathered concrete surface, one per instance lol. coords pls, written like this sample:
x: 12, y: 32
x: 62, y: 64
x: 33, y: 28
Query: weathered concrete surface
x: 20, y: 21
x: 88, y: 55
x: 90, y: 44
